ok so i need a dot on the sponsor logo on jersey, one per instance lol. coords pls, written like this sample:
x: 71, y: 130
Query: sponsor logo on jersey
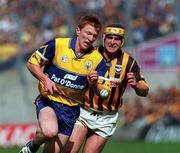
x: 114, y: 82
x: 68, y: 81
x: 70, y: 77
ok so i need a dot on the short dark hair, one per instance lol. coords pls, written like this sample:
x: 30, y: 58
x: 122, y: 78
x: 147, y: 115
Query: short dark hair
x: 92, y: 20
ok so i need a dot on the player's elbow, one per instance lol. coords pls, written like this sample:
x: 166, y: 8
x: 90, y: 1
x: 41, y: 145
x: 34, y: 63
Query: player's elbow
x: 142, y: 89
x: 143, y: 93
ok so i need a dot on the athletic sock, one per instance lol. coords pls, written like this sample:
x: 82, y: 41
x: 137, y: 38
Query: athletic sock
x: 33, y: 147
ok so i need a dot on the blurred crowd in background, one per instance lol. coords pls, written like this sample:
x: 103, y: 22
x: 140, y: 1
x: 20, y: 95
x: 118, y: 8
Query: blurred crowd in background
x: 156, y: 105
x: 157, y: 118
x: 41, y: 20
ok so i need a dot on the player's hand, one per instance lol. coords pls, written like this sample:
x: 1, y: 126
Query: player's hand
x: 131, y: 79
x: 92, y: 78
x: 49, y: 86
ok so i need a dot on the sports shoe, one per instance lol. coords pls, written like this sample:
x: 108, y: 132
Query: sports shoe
x: 26, y: 149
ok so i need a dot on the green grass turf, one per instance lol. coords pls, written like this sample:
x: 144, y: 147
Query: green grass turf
x: 126, y: 147
x: 141, y: 147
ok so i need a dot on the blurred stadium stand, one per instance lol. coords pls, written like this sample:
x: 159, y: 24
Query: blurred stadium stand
x: 152, y: 38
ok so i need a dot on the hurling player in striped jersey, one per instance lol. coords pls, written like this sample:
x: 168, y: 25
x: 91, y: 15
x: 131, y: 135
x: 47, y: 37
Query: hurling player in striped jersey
x: 98, y: 117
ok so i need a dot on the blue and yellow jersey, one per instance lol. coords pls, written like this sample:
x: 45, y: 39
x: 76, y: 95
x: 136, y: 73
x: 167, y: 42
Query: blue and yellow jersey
x: 119, y: 66
x: 66, y: 69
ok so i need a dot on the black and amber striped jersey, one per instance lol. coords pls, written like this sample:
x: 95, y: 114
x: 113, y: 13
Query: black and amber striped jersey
x: 119, y: 66
x: 68, y: 70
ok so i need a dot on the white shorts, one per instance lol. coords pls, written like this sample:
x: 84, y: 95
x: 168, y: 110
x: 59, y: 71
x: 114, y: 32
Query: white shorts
x: 102, y: 124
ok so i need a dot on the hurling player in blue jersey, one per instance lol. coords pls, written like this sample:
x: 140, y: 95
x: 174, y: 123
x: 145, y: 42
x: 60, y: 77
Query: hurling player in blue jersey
x: 98, y: 118
x: 66, y: 64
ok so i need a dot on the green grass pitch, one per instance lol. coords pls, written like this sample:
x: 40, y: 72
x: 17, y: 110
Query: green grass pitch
x: 125, y: 147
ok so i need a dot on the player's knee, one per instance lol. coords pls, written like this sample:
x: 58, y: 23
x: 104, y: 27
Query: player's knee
x: 50, y: 132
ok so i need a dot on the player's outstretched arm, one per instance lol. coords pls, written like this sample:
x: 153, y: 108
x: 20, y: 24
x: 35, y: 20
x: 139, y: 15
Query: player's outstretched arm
x: 140, y: 87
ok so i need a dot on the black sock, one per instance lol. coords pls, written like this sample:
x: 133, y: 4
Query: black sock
x: 33, y: 147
